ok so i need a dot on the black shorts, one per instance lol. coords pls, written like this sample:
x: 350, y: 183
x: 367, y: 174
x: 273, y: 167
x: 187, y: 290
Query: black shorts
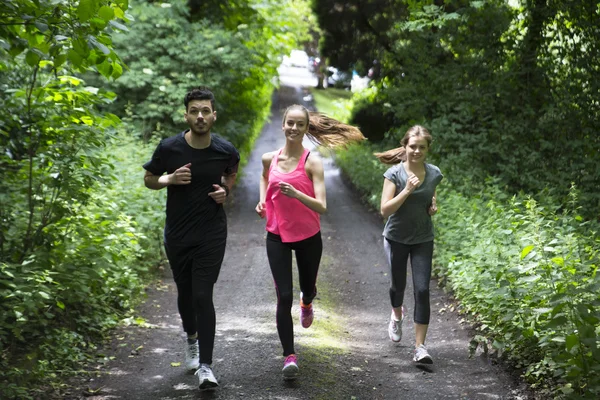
x: 197, y: 263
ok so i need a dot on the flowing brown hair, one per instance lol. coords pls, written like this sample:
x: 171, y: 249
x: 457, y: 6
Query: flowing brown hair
x: 394, y: 156
x: 327, y: 131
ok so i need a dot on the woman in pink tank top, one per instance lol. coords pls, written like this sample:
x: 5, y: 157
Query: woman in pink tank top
x: 292, y: 198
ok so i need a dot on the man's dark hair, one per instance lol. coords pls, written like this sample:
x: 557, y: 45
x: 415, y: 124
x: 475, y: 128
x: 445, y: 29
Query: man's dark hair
x: 199, y: 93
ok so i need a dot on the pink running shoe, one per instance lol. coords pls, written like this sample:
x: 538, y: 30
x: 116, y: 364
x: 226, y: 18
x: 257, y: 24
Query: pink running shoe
x: 290, y: 367
x: 306, y: 314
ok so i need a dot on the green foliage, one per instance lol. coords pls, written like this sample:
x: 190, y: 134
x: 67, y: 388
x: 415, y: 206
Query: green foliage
x: 526, y: 273
x: 168, y: 53
x: 71, y: 260
x: 529, y: 277
x: 337, y: 103
x: 63, y: 297
x: 372, y: 117
x: 507, y: 91
x: 51, y: 157
x: 356, y: 32
x: 365, y: 171
x: 56, y: 32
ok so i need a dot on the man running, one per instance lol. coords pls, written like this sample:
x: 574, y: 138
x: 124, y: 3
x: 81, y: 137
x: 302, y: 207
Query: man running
x: 198, y: 169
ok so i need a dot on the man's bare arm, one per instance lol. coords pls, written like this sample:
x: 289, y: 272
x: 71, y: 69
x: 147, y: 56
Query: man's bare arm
x: 156, y: 182
x: 181, y: 176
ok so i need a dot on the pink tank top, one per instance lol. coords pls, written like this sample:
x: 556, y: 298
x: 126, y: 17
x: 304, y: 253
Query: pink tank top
x: 286, y: 216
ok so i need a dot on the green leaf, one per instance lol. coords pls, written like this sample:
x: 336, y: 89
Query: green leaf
x: 106, y: 13
x: 123, y: 4
x: 531, y: 278
x: 571, y: 341
x: 70, y: 79
x: 32, y: 58
x: 119, y: 13
x: 60, y: 304
x: 526, y: 251
x: 44, y: 295
x: 85, y: 9
x: 103, y: 48
x: 556, y: 322
x: 59, y: 60
x: 87, y: 120
x: 117, y: 70
x: 558, y: 261
x: 41, y: 26
x: 567, y: 389
x: 105, y: 68
x: 81, y: 47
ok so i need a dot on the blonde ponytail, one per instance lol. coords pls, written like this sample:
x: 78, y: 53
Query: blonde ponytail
x: 395, y: 156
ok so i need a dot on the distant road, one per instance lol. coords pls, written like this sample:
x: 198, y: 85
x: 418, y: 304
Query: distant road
x: 294, y: 76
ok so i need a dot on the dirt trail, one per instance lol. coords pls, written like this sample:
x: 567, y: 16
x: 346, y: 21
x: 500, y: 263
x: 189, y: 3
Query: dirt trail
x: 346, y: 354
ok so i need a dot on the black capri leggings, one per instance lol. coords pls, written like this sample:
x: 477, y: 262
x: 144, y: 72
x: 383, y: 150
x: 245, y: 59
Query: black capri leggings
x: 308, y: 257
x: 421, y: 255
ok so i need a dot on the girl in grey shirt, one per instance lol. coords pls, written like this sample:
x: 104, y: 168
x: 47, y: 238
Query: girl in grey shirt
x: 408, y: 201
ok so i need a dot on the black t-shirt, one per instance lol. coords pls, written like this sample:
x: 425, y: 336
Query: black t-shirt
x: 192, y: 216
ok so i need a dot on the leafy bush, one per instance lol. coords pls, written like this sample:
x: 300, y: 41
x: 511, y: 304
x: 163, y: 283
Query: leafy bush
x: 373, y: 118
x: 336, y: 103
x: 69, y: 255
x: 166, y: 55
x: 65, y: 295
x: 528, y: 275
x: 364, y: 170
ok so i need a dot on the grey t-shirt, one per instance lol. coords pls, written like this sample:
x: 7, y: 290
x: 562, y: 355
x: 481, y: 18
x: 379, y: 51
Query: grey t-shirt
x: 411, y: 224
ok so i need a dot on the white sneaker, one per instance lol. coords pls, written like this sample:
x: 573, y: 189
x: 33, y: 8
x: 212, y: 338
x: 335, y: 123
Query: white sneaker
x: 206, y: 377
x: 422, y: 355
x: 395, y: 327
x: 192, y: 355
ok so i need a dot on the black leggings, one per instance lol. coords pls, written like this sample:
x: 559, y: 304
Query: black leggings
x: 420, y: 261
x: 308, y: 257
x: 195, y: 270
